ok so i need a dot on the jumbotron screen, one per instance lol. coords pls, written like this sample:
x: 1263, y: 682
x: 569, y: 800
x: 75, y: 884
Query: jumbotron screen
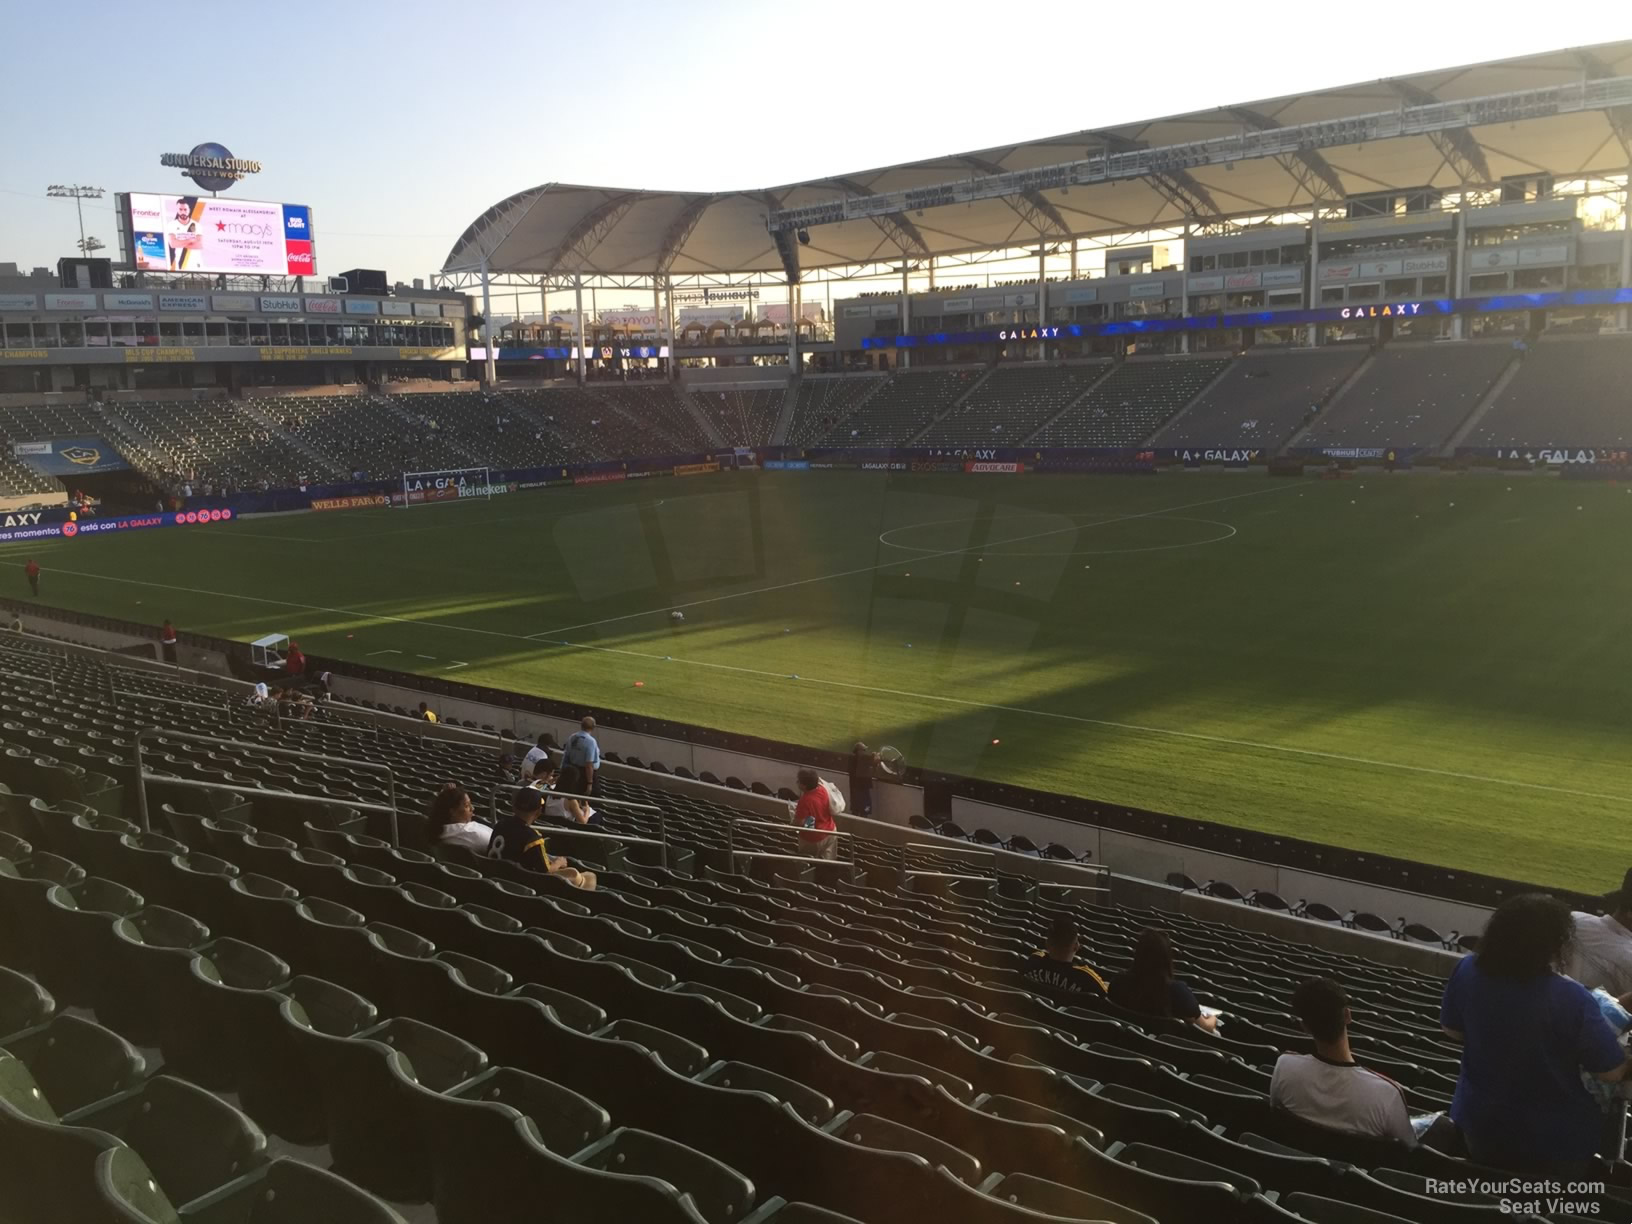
x: 199, y: 233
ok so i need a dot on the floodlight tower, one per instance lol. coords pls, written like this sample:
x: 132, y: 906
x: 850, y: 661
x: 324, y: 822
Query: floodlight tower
x: 77, y: 194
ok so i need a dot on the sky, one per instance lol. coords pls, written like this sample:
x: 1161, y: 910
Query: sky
x: 399, y: 124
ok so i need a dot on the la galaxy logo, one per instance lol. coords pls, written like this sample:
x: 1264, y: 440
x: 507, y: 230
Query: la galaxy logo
x: 84, y: 456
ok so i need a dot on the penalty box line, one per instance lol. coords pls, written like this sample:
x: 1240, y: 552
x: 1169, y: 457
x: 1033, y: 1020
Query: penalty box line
x: 917, y: 559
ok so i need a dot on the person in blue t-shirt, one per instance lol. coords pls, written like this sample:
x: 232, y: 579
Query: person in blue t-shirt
x: 1527, y: 1034
x: 584, y: 751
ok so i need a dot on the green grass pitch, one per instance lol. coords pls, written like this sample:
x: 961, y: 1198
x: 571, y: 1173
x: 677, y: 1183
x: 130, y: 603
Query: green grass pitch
x: 1425, y: 666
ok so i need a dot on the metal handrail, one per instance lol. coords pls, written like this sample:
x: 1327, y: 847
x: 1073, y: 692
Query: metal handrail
x: 731, y: 838
x: 45, y: 679
x: 143, y: 777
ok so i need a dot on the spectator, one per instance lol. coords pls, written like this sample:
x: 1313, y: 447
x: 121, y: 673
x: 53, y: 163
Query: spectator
x: 1600, y: 955
x: 32, y: 572
x: 583, y: 750
x: 565, y: 801
x: 1328, y: 1086
x: 538, y: 752
x: 1527, y: 1033
x: 426, y: 713
x: 294, y: 662
x: 813, y: 816
x: 1148, y: 986
x: 1053, y: 969
x: 862, y: 762
x: 516, y: 841
x: 167, y: 639
x: 452, y: 821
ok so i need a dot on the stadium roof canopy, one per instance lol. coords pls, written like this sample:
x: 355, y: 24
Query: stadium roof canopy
x: 1567, y: 113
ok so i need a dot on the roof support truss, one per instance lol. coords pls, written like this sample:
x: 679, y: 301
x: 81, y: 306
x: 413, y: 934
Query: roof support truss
x: 584, y: 237
x: 1458, y: 146
x: 1308, y: 167
x: 897, y: 227
x: 679, y: 230
x: 1032, y: 207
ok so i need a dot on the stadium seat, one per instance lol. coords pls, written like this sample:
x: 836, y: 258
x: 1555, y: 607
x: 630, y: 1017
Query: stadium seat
x: 76, y: 1062
x: 149, y: 957
x: 279, y: 1084
x: 23, y: 1002
x: 720, y: 1193
x: 204, y: 1038
x: 867, y: 1130
x: 1054, y: 1200
x: 287, y: 1191
x: 192, y: 1142
x: 78, y: 922
x: 372, y: 1134
x: 1331, y: 1211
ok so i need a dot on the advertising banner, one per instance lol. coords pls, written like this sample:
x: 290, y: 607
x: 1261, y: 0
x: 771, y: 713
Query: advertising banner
x: 428, y: 310
x: 362, y: 306
x: 598, y: 478
x: 70, y: 301
x: 232, y: 301
x: 72, y: 456
x: 127, y: 301
x: 695, y: 469
x: 192, y: 233
x: 19, y: 301
x: 95, y: 526
x: 322, y: 305
x: 196, y: 302
x: 355, y: 502
x: 394, y: 307
x: 980, y: 465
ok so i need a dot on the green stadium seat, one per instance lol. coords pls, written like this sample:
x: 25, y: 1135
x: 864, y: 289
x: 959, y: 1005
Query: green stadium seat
x: 94, y: 843
x: 76, y: 923
x: 816, y: 1108
x: 285, y: 1191
x: 49, y: 1172
x: 24, y: 1003
x: 568, y: 1009
x: 77, y: 1062
x: 192, y: 1142
x: 202, y: 888
x: 147, y: 965
x: 867, y: 1130
x: 267, y: 910
x: 1332, y: 1211
x: 719, y: 1192
x: 1051, y: 1198
x: 204, y: 1036
x: 366, y: 1083
x: 278, y: 1085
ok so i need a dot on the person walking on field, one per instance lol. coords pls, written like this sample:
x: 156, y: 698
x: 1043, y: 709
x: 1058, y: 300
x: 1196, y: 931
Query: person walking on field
x: 32, y: 569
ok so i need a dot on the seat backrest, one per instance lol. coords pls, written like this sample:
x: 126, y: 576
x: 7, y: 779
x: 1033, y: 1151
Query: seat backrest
x: 565, y: 1121
x: 294, y: 1192
x: 869, y: 1130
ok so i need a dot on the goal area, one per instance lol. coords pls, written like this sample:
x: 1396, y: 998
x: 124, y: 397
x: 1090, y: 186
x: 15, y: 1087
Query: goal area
x: 444, y: 485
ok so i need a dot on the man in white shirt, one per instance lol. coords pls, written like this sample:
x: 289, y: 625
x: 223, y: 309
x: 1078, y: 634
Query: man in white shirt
x: 1600, y: 955
x: 534, y: 755
x: 1328, y: 1087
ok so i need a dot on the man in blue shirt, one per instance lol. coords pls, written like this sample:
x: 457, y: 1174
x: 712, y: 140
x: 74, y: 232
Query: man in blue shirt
x: 1527, y: 1034
x: 582, y: 750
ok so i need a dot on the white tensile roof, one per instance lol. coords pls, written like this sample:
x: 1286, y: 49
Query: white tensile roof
x: 567, y: 229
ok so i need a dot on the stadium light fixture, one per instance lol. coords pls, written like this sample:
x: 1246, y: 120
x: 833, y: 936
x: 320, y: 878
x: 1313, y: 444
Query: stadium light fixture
x: 78, y: 194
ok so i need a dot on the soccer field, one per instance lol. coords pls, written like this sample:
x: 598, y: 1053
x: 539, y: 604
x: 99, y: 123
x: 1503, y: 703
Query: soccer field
x: 1424, y: 666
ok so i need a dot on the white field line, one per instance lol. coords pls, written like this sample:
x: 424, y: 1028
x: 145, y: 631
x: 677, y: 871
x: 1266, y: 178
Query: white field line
x: 916, y: 559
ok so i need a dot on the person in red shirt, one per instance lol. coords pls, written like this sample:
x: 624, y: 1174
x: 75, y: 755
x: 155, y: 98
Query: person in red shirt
x: 294, y: 663
x: 32, y: 569
x: 167, y: 639
x: 814, y: 817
